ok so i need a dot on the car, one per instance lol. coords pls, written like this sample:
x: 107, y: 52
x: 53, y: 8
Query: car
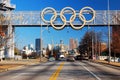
x: 78, y: 57
x: 85, y: 57
x: 114, y: 59
x: 51, y: 59
x: 70, y: 58
x: 62, y: 58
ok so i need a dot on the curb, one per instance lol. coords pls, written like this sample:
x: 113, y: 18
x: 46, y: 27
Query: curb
x: 107, y: 64
x: 12, y: 68
x: 18, y: 67
x: 15, y: 68
x: 4, y: 70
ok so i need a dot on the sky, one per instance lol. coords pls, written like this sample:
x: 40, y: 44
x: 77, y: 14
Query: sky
x: 27, y: 35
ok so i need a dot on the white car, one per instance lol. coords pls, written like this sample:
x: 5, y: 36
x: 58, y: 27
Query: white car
x: 116, y: 59
x: 62, y: 56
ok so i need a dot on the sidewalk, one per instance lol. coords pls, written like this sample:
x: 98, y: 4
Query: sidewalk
x: 15, y: 64
x: 106, y: 62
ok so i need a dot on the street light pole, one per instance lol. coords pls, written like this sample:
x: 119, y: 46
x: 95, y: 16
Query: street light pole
x: 92, y: 46
x: 52, y: 49
x: 109, y: 37
x: 40, y: 43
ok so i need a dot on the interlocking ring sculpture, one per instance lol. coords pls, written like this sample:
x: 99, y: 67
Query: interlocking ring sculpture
x: 63, y: 18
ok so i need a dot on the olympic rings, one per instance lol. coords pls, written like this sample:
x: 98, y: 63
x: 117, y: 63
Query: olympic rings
x: 43, y: 12
x: 77, y: 28
x: 69, y: 8
x: 80, y: 13
x: 61, y: 27
x: 63, y: 18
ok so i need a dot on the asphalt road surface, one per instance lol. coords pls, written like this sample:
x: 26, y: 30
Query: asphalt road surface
x: 62, y: 70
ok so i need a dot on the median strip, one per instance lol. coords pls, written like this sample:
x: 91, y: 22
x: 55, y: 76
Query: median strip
x: 56, y: 73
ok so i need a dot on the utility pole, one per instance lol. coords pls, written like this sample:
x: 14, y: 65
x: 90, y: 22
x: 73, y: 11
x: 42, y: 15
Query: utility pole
x: 40, y: 43
x: 109, y: 37
x: 92, y: 46
x: 52, y: 48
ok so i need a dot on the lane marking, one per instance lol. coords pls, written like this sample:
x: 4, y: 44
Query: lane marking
x: 91, y: 72
x: 14, y: 77
x: 29, y: 68
x: 56, y: 73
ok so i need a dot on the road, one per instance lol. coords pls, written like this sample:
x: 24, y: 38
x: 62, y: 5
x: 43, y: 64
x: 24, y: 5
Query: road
x: 62, y: 70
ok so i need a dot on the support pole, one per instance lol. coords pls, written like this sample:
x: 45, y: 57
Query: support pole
x: 41, y: 43
x: 10, y: 40
x: 109, y: 37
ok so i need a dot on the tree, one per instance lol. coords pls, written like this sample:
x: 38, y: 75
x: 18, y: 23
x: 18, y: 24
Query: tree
x: 17, y: 51
x: 115, y: 41
x: 90, y: 41
x: 4, y: 36
x: 85, y: 45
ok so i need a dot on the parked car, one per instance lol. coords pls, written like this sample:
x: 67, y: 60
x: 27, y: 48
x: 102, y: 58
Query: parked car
x: 112, y: 59
x: 116, y: 59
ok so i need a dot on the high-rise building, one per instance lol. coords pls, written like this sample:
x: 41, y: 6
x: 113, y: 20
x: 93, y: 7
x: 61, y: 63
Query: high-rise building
x: 73, y: 44
x: 38, y: 44
x: 76, y: 43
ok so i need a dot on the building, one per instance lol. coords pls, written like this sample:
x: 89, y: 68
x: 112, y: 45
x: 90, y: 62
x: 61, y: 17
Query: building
x: 73, y: 43
x: 38, y: 45
x: 76, y: 43
x: 103, y: 47
x: 27, y: 51
x: 30, y: 47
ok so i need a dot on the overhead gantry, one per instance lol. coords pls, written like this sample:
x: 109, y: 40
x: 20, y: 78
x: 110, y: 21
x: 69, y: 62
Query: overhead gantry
x: 77, y: 19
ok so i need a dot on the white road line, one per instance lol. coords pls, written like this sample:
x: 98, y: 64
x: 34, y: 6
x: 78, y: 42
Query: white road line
x: 15, y: 76
x: 90, y: 72
x: 19, y: 75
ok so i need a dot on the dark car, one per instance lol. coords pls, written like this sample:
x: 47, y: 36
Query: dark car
x: 79, y: 57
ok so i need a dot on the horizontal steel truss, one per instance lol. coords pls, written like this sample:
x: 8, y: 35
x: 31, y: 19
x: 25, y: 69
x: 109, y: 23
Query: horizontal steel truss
x: 32, y: 18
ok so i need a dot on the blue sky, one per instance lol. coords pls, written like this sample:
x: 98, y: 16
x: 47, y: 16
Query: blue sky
x: 27, y: 35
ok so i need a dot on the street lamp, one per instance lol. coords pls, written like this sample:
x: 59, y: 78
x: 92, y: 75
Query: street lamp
x: 92, y: 43
x: 52, y: 48
x: 41, y: 31
x: 109, y: 42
